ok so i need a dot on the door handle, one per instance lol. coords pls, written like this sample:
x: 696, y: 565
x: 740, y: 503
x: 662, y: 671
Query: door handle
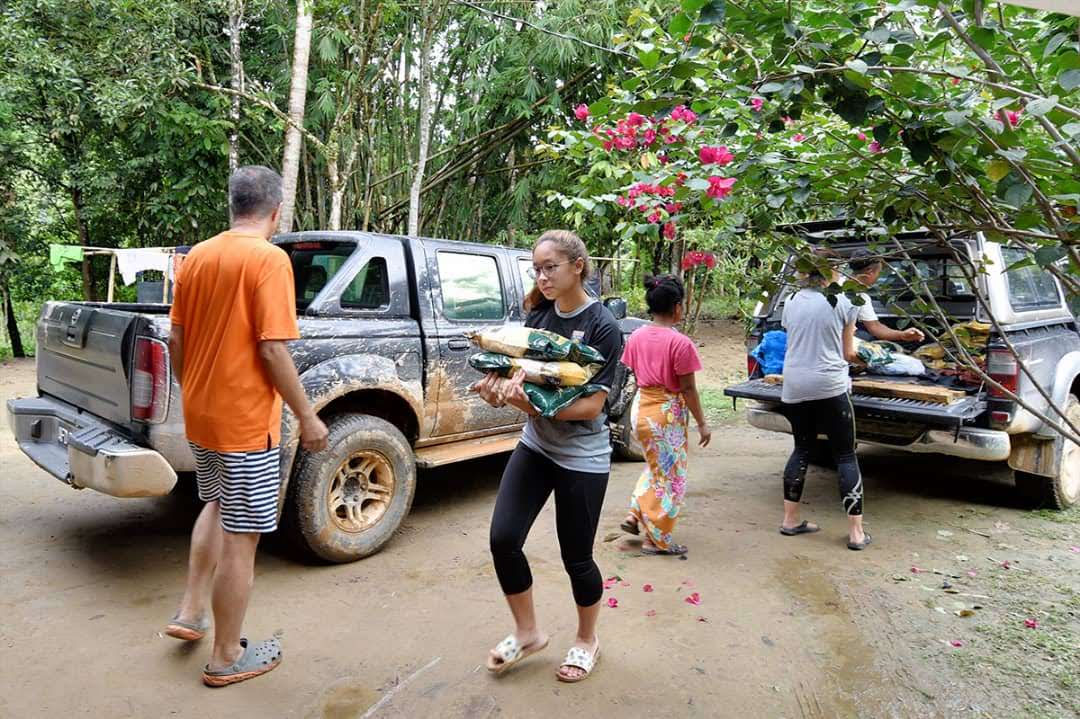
x: 458, y: 343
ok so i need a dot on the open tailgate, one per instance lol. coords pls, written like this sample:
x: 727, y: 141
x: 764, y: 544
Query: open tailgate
x: 955, y: 414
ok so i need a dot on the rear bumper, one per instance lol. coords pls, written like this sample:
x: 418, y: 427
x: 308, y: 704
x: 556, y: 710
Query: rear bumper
x: 987, y: 445
x: 84, y: 451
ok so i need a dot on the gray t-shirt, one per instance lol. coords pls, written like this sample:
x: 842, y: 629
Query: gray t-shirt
x: 578, y: 445
x: 814, y: 365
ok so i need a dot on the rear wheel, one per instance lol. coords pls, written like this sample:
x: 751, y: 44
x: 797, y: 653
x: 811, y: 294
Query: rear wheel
x: 346, y: 501
x: 1062, y: 490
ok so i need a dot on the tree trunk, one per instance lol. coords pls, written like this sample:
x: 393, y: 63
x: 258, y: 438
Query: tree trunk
x: 236, y: 22
x: 290, y: 161
x: 84, y: 240
x: 424, y: 129
x: 11, y: 322
x: 337, y: 191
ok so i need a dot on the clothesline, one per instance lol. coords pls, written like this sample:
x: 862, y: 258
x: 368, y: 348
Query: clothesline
x: 129, y: 261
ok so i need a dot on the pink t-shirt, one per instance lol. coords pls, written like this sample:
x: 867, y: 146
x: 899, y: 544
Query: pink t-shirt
x: 658, y: 355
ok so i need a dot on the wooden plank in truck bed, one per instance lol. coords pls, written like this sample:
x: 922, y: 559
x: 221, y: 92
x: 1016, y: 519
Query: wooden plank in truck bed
x: 921, y: 392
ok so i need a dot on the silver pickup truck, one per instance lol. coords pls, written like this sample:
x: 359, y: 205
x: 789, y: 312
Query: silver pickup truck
x: 985, y: 425
x: 382, y: 356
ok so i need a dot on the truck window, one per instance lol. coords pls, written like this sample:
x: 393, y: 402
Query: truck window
x: 1030, y: 287
x: 471, y: 287
x: 314, y: 263
x: 370, y: 289
x: 526, y: 271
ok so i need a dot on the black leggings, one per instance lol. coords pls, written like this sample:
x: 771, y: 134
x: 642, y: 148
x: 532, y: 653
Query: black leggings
x: 527, y: 482
x: 835, y: 417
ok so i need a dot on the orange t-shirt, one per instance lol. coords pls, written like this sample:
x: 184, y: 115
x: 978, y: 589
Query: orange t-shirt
x: 232, y: 291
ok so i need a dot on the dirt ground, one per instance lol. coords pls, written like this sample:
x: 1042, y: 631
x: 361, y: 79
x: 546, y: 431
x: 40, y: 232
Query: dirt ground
x: 786, y: 627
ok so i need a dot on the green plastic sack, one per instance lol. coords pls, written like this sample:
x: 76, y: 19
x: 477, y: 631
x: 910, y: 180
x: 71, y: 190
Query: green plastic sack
x: 549, y: 401
x: 876, y: 354
x: 548, y: 374
x: 530, y: 343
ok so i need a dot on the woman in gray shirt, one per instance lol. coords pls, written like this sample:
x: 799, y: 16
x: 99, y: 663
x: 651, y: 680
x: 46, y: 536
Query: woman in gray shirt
x: 820, y: 343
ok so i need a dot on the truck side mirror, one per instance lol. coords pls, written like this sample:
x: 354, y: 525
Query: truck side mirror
x: 616, y: 306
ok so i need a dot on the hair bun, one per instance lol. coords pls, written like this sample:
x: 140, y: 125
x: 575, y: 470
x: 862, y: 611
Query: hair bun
x: 652, y: 282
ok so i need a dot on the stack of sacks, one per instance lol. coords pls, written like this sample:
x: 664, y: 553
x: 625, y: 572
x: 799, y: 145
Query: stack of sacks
x: 557, y: 370
x: 974, y: 337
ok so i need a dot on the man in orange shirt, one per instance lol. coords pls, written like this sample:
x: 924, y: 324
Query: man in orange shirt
x: 234, y: 309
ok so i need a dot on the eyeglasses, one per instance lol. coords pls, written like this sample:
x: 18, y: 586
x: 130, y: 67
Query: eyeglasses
x: 546, y: 270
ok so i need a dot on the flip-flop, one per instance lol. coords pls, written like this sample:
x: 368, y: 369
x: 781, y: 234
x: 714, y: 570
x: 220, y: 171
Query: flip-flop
x: 629, y: 527
x: 580, y: 659
x: 511, y: 652
x: 859, y: 546
x: 187, y: 631
x: 255, y: 660
x: 803, y: 528
x: 675, y: 550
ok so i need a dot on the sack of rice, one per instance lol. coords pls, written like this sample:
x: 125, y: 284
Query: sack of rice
x: 530, y: 343
x: 547, y: 374
x: 550, y: 400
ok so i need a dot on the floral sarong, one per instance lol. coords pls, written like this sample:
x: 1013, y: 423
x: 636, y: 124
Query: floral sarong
x: 661, y: 424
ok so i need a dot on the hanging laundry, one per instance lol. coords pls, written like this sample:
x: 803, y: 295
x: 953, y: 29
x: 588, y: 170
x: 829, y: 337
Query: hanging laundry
x: 132, y: 262
x: 59, y: 254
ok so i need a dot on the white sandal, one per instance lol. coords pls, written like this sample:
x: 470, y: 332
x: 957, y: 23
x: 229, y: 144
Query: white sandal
x: 580, y: 659
x: 511, y: 652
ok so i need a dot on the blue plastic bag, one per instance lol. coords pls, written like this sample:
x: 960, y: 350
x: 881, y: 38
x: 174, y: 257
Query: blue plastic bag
x: 770, y: 352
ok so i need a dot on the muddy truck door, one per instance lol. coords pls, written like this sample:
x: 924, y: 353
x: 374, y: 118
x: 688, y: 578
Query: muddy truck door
x: 472, y: 289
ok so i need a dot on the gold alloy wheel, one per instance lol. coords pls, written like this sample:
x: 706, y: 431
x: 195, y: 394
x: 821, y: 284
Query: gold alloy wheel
x: 360, y: 492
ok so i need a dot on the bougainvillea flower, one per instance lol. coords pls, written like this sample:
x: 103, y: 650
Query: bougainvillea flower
x: 715, y: 155
x: 581, y: 112
x: 612, y: 602
x: 756, y: 103
x: 669, y: 234
x: 874, y: 147
x: 720, y: 187
x: 694, y: 599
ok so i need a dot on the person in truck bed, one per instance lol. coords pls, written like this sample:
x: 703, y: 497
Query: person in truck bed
x: 866, y: 267
x: 233, y: 311
x: 816, y: 395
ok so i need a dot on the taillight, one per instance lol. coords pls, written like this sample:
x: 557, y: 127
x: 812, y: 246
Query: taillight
x: 1003, y: 368
x: 150, y: 380
x: 752, y: 365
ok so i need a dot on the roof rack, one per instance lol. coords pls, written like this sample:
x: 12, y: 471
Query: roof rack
x: 840, y: 231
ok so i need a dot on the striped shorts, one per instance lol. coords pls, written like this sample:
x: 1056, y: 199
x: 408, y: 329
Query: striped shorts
x: 244, y: 484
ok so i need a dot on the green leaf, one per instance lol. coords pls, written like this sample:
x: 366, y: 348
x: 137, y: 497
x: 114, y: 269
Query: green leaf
x: 601, y: 107
x: 1050, y: 254
x: 1040, y: 107
x: 956, y: 118
x: 770, y: 87
x: 697, y: 184
x: 1069, y: 80
x: 1055, y: 42
x: 679, y: 26
x: 1018, y: 194
x: 857, y: 65
x: 775, y: 201
x: 804, y: 69
x: 713, y: 12
x: 997, y: 169
x: 649, y: 59
x: 692, y: 6
x: 879, y: 35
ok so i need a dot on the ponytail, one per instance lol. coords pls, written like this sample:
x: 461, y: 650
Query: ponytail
x: 569, y: 245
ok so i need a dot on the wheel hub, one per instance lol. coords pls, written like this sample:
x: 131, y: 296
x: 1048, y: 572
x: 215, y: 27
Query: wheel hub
x: 360, y: 491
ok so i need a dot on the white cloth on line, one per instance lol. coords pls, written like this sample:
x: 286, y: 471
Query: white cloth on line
x: 131, y: 262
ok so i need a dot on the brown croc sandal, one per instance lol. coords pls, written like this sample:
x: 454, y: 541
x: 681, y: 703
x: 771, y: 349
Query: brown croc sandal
x: 256, y: 659
x: 186, y: 630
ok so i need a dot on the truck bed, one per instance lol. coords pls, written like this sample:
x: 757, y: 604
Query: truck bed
x: 956, y: 414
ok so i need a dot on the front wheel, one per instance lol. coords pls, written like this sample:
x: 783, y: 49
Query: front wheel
x: 346, y: 501
x: 1063, y: 489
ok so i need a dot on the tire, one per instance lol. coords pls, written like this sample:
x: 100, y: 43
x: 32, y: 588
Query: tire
x: 345, y: 502
x: 626, y: 443
x: 1062, y: 490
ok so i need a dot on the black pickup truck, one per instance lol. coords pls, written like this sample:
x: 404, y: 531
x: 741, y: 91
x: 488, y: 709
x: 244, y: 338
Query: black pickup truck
x: 382, y: 357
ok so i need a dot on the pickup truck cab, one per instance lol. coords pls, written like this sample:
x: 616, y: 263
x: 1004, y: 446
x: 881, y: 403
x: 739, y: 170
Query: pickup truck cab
x: 382, y: 357
x: 985, y: 425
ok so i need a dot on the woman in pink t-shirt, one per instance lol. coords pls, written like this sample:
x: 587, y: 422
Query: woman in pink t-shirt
x: 664, y: 362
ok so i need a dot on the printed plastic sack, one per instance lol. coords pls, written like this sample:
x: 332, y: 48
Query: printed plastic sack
x: 771, y: 351
x: 548, y: 374
x: 876, y: 354
x: 535, y: 344
x: 550, y: 400
x: 901, y: 366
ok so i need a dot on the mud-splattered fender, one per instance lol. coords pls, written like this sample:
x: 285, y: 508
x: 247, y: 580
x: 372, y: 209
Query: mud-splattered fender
x: 1068, y: 369
x: 342, y: 376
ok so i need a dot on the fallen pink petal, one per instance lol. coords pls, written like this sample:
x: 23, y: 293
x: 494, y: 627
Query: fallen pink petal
x: 1075, y: 550
x: 1005, y: 564
x: 956, y: 643
x: 703, y: 620
x: 694, y: 599
x: 1031, y: 623
x: 647, y: 588
x: 972, y: 573
x: 612, y: 602
x: 917, y: 570
x: 624, y: 583
x: 650, y: 613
